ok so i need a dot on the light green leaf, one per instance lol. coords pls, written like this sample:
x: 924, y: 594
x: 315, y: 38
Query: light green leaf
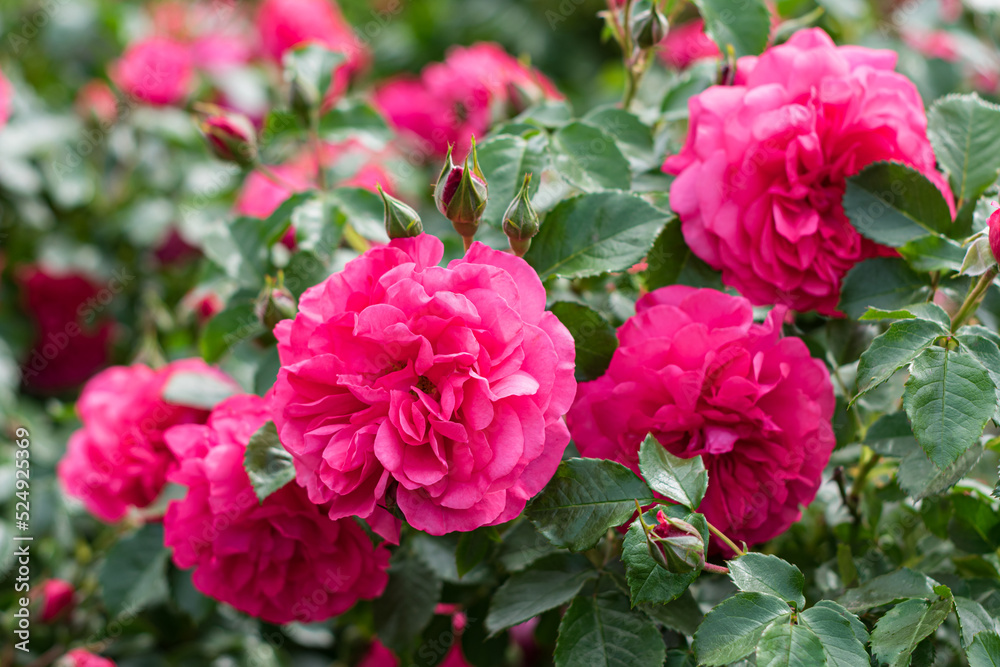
x: 588, y: 158
x: 604, y: 632
x: 197, y: 390
x: 895, y: 349
x: 965, y: 133
x: 841, y: 646
x: 786, y: 645
x: 505, y: 159
x: 973, y: 619
x: 978, y: 258
x: 584, y: 499
x: 268, y: 464
x: 634, y: 138
x: 683, y: 480
x: 746, y: 26
x: 594, y: 337
x: 984, y: 650
x: 922, y: 311
x: 732, y: 629
x: 898, y: 633
x: 949, y: 397
x: 763, y: 573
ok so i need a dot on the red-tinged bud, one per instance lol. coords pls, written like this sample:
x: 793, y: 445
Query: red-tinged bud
x: 674, y: 544
x: 995, y: 234
x: 275, y: 303
x: 230, y: 136
x: 56, y: 599
x: 461, y: 194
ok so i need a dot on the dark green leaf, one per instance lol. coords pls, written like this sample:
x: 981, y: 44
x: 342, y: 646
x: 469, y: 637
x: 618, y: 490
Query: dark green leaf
x: 895, y: 349
x: 898, y: 633
x: 364, y: 211
x: 671, y: 262
x: 634, y: 138
x: 984, y: 650
x: 948, y: 398
x: 604, y: 632
x: 891, y: 435
x: 763, y: 573
x: 593, y: 336
x: 522, y: 546
x: 473, y: 548
x: 883, y: 282
x: 527, y: 594
x: 746, y: 26
x: 965, y: 133
x: 974, y: 525
x: 584, y: 499
x: 197, y: 390
x: 732, y: 629
x: 683, y: 480
x: 590, y: 234
x: 888, y: 588
x: 589, y: 159
x: 857, y: 627
x: 407, y: 605
x: 134, y: 574
x: 893, y: 204
x: 268, y: 464
x: 920, y: 478
x: 973, y: 619
x: 786, y: 645
x: 277, y: 223
x: 985, y: 350
x: 683, y: 615
x: 505, y: 160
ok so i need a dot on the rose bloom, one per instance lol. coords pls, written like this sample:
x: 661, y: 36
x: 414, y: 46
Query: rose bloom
x: 118, y: 459
x: 57, y: 599
x: 6, y: 99
x: 686, y: 44
x: 441, y: 388
x: 695, y: 370
x: 73, y: 333
x: 453, y: 100
x: 760, y: 180
x: 78, y: 657
x: 96, y: 103
x: 270, y: 559
x: 156, y: 70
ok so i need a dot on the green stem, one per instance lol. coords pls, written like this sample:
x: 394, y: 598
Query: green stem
x: 975, y: 295
x: 728, y: 542
x: 869, y: 459
x: 318, y: 151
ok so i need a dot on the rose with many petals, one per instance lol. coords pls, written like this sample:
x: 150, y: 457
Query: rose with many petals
x: 760, y: 181
x: 695, y: 371
x: 441, y: 389
x: 158, y: 71
x: 463, y: 96
x: 281, y: 560
x: 119, y: 459
x: 79, y: 657
x: 686, y: 44
x: 73, y: 331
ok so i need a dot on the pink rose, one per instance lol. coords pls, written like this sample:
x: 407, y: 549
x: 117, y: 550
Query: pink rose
x: 379, y: 656
x: 443, y: 388
x: 6, y: 99
x: 760, y: 180
x: 686, y: 44
x: 81, y: 658
x: 96, y: 103
x: 932, y: 43
x: 118, y: 459
x: 73, y: 329
x: 57, y: 599
x: 695, y: 370
x: 156, y: 70
x: 453, y: 100
x: 281, y: 560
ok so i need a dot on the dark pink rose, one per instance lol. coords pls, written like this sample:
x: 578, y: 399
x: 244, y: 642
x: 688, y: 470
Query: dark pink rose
x: 78, y: 657
x: 118, y: 459
x: 760, y: 180
x: 695, y: 370
x: 282, y: 560
x: 443, y: 388
x: 72, y: 325
x: 686, y: 44
x: 156, y: 70
x: 57, y: 599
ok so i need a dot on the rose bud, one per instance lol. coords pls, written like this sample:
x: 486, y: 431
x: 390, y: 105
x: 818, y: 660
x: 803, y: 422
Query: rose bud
x: 56, y: 598
x: 675, y: 545
x: 96, y: 104
x: 461, y: 194
x: 401, y: 221
x: 275, y: 303
x: 649, y: 28
x: 231, y: 136
x: 520, y: 222
x: 995, y: 234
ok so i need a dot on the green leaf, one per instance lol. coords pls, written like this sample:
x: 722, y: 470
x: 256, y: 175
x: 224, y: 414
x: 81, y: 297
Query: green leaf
x: 268, y: 464
x: 683, y: 480
x: 893, y: 204
x: 882, y: 282
x: 236, y: 323
x: 407, y: 604
x: 671, y: 262
x: 763, y: 573
x: 319, y: 226
x: 920, y: 478
x: 746, y: 26
x: 891, y: 435
x: 312, y: 63
x: 857, y: 627
x: 965, y: 133
x: 732, y: 629
x: 949, y: 397
x: 547, y: 585
x: 897, y: 634
x: 591, y: 234
x: 134, y: 576
x: 888, y: 588
x: 240, y: 249
x: 505, y: 160
x: 197, y: 390
x: 584, y: 499
x: 588, y: 158
x: 473, y: 548
x: 934, y: 253
x: 634, y: 138
x: 785, y: 645
x: 921, y: 311
x: 973, y: 619
x: 984, y: 650
x: 974, y: 526
x: 683, y: 615
x: 647, y: 581
x: 364, y: 211
x: 896, y: 348
x: 978, y: 258
x: 604, y: 632
x: 841, y: 645
x: 280, y: 220
x: 350, y: 118
x: 984, y: 349
x: 594, y: 337
x: 522, y: 546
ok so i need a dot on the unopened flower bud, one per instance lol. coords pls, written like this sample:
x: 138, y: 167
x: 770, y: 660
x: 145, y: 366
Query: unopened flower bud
x: 674, y: 544
x: 461, y: 194
x: 275, y: 304
x: 520, y: 222
x: 231, y: 136
x: 56, y: 598
x: 649, y: 27
x: 401, y: 220
x: 994, y: 224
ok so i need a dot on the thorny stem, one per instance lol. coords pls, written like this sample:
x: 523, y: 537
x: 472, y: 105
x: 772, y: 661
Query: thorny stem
x: 972, y: 300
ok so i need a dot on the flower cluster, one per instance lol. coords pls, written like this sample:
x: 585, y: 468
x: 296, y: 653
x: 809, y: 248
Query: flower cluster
x: 695, y: 370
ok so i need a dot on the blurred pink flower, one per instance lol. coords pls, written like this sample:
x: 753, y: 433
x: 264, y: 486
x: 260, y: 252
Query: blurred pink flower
x: 81, y: 658
x: 686, y: 44
x: 156, y: 70
x: 57, y: 599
